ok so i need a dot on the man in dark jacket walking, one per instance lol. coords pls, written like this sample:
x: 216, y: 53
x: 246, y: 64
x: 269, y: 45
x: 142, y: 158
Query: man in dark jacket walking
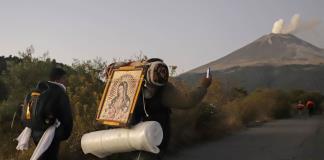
x: 157, y: 99
x: 60, y: 110
x: 158, y: 108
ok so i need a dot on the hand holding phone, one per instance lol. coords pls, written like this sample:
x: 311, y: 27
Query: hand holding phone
x: 206, y: 81
x: 208, y: 73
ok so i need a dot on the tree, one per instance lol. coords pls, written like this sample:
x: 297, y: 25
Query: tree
x: 3, y: 91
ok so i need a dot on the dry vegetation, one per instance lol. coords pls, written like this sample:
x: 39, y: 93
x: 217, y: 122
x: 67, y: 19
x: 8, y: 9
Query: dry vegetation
x: 227, y: 110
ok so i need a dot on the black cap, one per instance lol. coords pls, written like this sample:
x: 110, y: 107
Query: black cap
x: 56, y: 74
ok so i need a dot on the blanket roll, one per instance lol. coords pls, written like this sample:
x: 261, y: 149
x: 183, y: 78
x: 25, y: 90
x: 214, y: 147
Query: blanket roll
x: 145, y: 136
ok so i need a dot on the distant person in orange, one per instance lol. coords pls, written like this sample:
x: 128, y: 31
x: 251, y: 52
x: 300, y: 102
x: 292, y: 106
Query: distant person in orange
x: 310, y: 106
x: 300, y: 107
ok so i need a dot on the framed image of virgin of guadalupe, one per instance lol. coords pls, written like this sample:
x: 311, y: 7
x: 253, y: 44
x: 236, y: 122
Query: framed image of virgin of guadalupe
x: 120, y: 96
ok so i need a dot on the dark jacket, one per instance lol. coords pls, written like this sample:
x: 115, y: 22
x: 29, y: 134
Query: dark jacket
x: 61, y: 110
x: 159, y: 106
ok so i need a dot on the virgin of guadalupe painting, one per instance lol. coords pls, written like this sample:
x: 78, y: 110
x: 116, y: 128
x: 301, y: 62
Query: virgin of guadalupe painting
x: 120, y: 103
x: 120, y: 96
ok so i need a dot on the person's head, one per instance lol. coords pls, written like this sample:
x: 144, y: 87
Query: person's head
x: 122, y: 89
x: 57, y: 75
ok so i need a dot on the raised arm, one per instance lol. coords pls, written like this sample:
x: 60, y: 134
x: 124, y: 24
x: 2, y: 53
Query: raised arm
x: 174, y: 98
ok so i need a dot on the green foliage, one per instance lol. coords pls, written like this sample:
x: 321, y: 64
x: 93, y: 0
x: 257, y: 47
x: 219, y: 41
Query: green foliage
x: 227, y: 109
x: 84, y: 87
x: 3, y: 91
x: 3, y: 64
x: 20, y: 78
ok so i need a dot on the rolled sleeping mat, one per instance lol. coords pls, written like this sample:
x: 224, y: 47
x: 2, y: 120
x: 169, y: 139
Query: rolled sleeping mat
x: 145, y: 136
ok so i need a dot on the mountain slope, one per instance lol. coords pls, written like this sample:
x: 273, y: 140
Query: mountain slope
x: 271, y: 49
x: 288, y: 77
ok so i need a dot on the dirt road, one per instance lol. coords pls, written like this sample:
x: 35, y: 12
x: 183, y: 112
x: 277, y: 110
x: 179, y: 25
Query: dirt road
x: 292, y: 139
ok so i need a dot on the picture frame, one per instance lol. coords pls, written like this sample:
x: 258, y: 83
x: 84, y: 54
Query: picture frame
x: 120, y: 96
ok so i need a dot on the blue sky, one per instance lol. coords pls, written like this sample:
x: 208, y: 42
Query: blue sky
x: 187, y: 33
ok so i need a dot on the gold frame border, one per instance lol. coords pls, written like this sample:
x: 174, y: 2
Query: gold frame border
x: 108, y: 83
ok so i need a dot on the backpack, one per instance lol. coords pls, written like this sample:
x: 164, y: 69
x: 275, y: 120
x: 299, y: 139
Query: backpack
x: 38, y: 111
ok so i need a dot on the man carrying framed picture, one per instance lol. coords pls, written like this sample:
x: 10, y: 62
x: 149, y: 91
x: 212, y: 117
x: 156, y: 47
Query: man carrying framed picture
x: 139, y: 95
x: 158, y: 97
